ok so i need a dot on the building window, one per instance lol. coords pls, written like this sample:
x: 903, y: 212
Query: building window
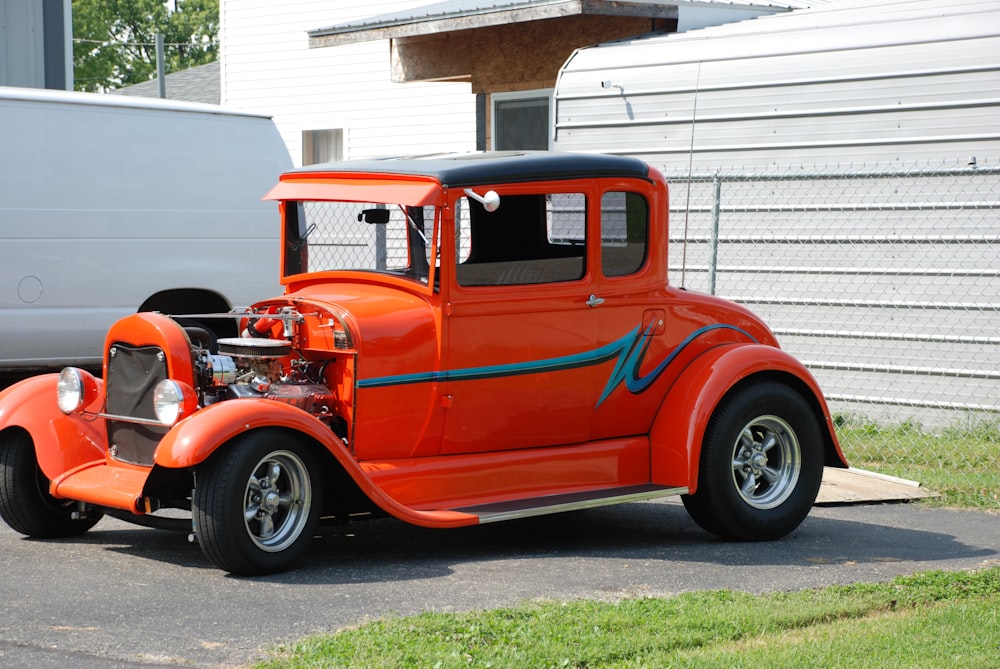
x: 522, y: 120
x: 322, y: 146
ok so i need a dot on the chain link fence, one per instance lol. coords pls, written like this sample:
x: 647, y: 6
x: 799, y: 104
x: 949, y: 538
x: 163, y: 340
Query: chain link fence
x: 885, y: 282
x: 356, y: 235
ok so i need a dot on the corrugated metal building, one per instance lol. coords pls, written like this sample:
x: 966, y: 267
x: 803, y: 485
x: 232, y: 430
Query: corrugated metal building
x: 853, y: 81
x: 845, y: 184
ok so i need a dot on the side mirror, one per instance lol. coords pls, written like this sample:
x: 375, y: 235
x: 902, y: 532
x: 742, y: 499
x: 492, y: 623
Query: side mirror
x: 490, y: 201
x: 374, y: 216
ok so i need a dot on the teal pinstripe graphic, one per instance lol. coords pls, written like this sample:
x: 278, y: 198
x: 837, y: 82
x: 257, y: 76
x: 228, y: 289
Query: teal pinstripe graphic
x: 627, y: 368
x: 629, y: 349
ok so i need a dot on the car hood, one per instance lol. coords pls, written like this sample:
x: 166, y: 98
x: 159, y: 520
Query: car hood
x: 393, y: 331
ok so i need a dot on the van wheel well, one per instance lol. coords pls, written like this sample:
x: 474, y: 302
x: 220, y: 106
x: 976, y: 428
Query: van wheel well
x: 194, y: 301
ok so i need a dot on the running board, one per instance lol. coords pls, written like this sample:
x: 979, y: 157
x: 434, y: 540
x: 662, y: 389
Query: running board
x: 574, y: 501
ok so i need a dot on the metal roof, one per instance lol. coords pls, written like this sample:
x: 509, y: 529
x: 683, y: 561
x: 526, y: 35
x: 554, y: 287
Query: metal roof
x: 197, y: 84
x: 499, y: 11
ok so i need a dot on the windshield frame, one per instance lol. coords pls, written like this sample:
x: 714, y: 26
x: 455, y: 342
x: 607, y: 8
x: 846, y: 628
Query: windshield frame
x: 351, y: 187
x: 403, y: 249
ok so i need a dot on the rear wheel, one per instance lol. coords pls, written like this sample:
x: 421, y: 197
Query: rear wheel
x: 256, y: 503
x: 761, y: 465
x: 25, y: 502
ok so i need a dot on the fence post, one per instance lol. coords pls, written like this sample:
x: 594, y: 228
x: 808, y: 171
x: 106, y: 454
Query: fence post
x: 713, y: 253
x: 381, y: 248
x: 161, y: 81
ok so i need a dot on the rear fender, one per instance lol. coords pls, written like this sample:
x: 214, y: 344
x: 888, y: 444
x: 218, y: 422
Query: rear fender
x: 62, y: 442
x: 680, y: 424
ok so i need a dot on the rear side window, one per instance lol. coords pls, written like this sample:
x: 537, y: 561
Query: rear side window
x: 529, y: 239
x: 624, y: 233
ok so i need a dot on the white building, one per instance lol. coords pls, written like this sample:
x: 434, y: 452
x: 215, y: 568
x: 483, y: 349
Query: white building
x: 334, y: 103
x: 36, y: 48
x: 355, y: 79
x: 858, y: 81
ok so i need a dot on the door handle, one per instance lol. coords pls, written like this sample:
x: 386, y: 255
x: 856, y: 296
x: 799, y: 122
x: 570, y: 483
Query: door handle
x: 595, y: 301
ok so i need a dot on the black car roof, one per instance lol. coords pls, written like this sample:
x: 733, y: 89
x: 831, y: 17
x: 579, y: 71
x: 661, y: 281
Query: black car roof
x: 469, y: 169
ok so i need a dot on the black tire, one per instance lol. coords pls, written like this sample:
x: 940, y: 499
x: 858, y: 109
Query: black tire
x: 256, y: 503
x: 761, y: 464
x: 25, y: 502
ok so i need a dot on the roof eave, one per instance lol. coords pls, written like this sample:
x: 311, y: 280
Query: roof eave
x: 484, y: 18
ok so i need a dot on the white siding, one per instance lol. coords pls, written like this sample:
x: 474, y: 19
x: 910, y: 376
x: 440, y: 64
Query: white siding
x: 860, y: 81
x: 268, y: 67
x: 22, y: 52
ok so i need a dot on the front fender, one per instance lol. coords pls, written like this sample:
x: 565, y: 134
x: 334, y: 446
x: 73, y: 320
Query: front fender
x: 62, y: 442
x: 194, y: 439
x: 680, y: 424
x: 191, y: 441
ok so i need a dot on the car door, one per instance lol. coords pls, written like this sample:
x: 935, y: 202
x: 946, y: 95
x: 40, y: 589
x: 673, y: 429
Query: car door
x: 633, y: 325
x: 520, y: 333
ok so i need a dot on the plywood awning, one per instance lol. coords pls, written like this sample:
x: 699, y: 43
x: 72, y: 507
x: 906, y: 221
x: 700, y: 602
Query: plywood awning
x: 455, y: 15
x: 504, y: 45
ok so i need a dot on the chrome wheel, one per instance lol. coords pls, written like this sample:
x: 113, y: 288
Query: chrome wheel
x: 761, y: 464
x: 766, y: 462
x: 277, y: 501
x: 256, y: 501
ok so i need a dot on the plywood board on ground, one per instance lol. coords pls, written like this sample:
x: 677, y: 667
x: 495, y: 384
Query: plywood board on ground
x: 857, y: 486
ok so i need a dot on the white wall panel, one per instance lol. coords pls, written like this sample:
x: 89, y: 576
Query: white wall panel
x: 269, y: 68
x: 857, y: 81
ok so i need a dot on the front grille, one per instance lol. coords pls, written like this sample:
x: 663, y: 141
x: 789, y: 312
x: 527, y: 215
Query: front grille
x: 133, y: 373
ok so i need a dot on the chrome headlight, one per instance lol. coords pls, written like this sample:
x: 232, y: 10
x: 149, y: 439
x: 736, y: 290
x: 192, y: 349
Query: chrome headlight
x: 75, y: 390
x: 173, y: 400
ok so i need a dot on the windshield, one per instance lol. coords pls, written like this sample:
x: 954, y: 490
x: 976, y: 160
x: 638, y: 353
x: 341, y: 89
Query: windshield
x: 386, y: 238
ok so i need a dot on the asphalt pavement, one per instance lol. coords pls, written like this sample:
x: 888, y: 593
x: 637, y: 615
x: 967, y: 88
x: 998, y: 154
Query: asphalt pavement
x: 125, y: 596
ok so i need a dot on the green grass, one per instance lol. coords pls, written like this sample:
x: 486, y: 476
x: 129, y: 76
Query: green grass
x: 936, y: 619
x: 961, y: 463
x: 930, y: 620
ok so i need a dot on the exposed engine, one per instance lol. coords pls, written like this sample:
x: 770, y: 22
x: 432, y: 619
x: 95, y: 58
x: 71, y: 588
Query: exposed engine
x: 247, y: 367
x: 260, y: 367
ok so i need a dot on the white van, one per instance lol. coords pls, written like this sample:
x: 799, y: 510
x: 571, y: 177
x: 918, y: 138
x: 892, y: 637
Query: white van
x: 111, y: 205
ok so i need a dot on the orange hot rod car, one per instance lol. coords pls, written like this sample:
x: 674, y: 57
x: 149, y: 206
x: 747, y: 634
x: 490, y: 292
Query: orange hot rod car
x: 461, y: 340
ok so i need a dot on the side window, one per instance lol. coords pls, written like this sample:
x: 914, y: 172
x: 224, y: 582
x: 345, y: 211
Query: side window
x: 624, y: 233
x: 528, y: 239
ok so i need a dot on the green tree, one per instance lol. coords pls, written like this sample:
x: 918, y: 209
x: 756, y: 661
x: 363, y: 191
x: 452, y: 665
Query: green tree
x: 114, y: 41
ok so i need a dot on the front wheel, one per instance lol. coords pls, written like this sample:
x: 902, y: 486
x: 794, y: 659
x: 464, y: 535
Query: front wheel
x: 761, y: 465
x: 25, y: 502
x: 256, y: 503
